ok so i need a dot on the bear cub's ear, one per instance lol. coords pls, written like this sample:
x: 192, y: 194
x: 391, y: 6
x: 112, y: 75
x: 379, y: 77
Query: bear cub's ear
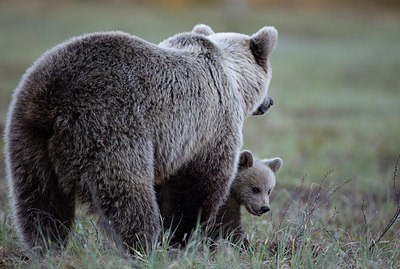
x: 246, y: 159
x: 275, y: 164
x: 263, y: 43
x: 202, y: 29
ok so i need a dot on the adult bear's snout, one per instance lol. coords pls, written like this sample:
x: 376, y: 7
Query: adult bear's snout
x: 268, y: 102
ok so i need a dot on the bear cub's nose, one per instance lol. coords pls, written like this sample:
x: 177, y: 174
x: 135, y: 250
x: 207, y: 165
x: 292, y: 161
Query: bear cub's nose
x: 265, y: 209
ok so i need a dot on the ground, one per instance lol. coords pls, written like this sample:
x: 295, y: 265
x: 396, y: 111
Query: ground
x: 337, y: 92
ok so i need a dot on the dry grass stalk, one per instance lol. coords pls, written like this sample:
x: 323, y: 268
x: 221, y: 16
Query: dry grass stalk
x: 396, y: 214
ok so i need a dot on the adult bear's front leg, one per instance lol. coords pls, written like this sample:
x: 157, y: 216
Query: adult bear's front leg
x: 213, y: 169
x: 198, y: 189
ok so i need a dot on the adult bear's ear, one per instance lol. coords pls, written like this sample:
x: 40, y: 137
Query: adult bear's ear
x: 246, y: 159
x: 263, y: 43
x: 275, y: 164
x: 203, y: 30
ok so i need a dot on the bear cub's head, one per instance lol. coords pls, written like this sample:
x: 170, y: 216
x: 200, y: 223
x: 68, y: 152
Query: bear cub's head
x: 254, y: 182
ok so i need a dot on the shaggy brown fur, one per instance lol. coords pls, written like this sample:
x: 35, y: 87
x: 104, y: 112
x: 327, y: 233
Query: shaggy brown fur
x: 119, y: 113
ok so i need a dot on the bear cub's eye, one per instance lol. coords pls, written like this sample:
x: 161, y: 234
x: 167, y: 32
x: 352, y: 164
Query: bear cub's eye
x: 269, y: 192
x: 255, y: 190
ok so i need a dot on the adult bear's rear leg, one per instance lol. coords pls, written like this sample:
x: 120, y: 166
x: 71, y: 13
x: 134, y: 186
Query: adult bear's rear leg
x: 128, y: 211
x: 43, y: 210
x: 113, y: 172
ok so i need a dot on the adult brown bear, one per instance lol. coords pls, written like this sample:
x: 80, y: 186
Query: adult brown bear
x: 113, y: 114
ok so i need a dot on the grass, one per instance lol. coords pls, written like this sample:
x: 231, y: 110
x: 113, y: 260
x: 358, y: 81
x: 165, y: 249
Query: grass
x: 337, y: 93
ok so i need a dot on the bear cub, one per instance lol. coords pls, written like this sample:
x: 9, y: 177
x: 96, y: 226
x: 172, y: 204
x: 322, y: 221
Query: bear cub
x: 251, y: 188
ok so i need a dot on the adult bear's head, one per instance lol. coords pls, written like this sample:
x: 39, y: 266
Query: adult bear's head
x: 246, y: 58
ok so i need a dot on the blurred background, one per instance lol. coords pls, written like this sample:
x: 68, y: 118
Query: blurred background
x: 336, y: 77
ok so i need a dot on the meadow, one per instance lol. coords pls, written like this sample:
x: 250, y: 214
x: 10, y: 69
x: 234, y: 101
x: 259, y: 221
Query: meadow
x: 335, y: 123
